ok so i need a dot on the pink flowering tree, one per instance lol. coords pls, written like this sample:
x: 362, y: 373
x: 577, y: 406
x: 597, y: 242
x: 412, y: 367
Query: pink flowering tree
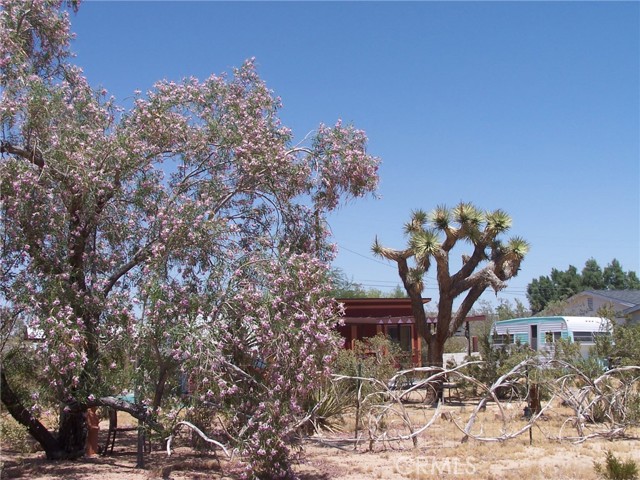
x: 185, y: 234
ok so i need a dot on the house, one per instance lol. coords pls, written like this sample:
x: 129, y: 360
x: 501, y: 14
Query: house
x: 366, y: 317
x: 393, y: 317
x: 624, y: 303
x: 540, y: 333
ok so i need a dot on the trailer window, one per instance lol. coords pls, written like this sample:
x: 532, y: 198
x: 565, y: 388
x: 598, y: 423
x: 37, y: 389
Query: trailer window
x: 552, y: 337
x: 583, y: 336
x: 505, y: 339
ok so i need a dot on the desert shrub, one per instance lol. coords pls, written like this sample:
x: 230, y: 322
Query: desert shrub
x: 615, y: 469
x: 15, y: 436
x: 327, y: 406
x: 375, y: 357
x: 497, y: 361
x: 633, y: 408
x: 620, y: 349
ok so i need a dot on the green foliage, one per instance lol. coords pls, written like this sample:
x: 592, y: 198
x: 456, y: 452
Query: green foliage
x: 592, y: 275
x: 566, y: 350
x: 623, y: 348
x: 398, y: 292
x: 375, y: 357
x: 615, y: 469
x: 28, y: 375
x: 456, y: 345
x: 14, y: 435
x: 505, y: 310
x: 327, y: 406
x: 497, y: 360
x: 560, y: 285
x: 615, y: 278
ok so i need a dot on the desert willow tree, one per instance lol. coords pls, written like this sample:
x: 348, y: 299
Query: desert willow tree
x: 161, y: 236
x: 432, y: 238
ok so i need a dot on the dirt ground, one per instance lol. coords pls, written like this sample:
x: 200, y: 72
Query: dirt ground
x: 439, y: 454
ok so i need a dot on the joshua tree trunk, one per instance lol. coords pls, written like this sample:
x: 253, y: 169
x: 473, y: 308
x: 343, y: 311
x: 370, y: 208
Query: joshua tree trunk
x: 435, y: 351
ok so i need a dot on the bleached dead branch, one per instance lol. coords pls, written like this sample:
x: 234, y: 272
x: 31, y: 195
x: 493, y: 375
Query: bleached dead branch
x: 199, y: 432
x: 605, y: 401
x: 515, y: 372
x: 610, y: 396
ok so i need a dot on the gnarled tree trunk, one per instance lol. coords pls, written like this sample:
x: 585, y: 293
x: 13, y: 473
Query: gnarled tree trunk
x: 69, y: 444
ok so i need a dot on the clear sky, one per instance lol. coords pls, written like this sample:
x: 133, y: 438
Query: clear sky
x: 532, y: 107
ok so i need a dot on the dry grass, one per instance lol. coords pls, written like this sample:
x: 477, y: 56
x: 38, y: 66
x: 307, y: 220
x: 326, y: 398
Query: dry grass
x: 439, y: 454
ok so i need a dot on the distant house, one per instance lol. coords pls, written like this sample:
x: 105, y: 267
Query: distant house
x: 625, y: 304
x: 366, y: 317
x: 541, y: 333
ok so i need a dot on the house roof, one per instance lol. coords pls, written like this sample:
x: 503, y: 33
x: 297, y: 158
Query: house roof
x: 632, y: 297
x: 385, y: 311
x: 627, y: 298
x: 377, y: 307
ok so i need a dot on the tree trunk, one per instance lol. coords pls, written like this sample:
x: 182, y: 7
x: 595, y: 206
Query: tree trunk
x: 435, y: 351
x: 163, y: 375
x: 534, y: 399
x: 71, y: 441
x: 23, y: 416
x: 435, y: 357
x: 73, y: 433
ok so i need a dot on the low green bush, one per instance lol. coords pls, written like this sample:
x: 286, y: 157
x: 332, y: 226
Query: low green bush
x: 15, y: 436
x: 615, y: 469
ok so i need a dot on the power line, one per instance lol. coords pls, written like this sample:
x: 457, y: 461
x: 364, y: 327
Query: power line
x: 374, y: 260
x: 365, y: 256
x: 389, y: 284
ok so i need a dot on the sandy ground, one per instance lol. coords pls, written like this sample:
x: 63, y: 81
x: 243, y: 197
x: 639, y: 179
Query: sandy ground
x: 439, y: 454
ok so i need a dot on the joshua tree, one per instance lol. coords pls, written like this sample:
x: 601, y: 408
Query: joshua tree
x: 432, y: 237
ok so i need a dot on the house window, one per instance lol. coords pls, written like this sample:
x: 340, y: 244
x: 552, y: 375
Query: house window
x: 400, y: 334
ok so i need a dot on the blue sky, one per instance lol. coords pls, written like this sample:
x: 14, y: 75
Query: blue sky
x: 532, y: 107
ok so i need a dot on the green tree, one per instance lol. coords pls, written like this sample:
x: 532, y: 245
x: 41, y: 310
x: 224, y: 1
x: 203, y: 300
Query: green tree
x: 566, y: 282
x: 592, y: 275
x: 549, y: 292
x: 633, y: 282
x: 540, y: 292
x: 505, y: 310
x: 614, y: 276
x: 343, y: 287
x: 623, y: 348
x: 398, y: 292
x: 432, y: 238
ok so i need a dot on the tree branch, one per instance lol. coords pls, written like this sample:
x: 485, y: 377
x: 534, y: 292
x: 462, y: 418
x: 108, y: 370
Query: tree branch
x: 23, y: 416
x: 140, y: 256
x: 34, y: 156
x: 199, y: 432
